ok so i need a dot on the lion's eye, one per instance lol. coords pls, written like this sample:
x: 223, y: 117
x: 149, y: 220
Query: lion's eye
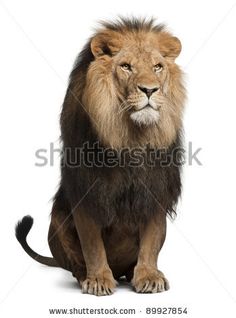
x: 126, y: 67
x: 158, y: 68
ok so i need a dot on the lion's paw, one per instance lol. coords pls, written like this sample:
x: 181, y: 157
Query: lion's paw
x: 101, y: 284
x: 149, y: 280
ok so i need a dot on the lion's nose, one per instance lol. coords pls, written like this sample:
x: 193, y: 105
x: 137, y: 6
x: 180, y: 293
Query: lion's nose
x: 148, y: 91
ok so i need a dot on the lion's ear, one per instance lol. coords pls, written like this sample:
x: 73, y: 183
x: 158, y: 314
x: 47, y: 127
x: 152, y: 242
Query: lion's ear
x: 107, y: 43
x: 169, y: 46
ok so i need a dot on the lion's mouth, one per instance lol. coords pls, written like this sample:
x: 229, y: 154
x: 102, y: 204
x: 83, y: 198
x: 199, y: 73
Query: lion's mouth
x: 146, y: 115
x: 148, y: 106
x: 145, y: 107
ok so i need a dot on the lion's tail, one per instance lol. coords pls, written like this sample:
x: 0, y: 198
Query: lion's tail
x: 22, y: 229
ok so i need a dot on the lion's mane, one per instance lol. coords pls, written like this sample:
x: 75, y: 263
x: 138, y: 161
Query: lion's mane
x: 118, y: 194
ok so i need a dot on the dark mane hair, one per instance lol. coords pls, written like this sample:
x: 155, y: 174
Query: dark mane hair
x: 133, y: 24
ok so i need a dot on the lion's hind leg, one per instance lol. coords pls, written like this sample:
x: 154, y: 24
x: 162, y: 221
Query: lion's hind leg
x: 65, y: 245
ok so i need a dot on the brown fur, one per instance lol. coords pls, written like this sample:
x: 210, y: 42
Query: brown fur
x: 110, y: 222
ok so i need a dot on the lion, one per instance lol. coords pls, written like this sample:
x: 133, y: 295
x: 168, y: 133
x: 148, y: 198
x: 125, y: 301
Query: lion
x: 109, y: 221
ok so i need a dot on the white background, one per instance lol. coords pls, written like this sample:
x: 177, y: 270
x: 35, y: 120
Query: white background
x: 38, y: 43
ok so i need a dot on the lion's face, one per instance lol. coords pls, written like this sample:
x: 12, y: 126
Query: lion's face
x: 134, y: 82
x: 140, y: 76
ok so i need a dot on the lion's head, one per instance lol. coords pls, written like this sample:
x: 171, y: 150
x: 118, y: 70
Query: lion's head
x: 132, y: 89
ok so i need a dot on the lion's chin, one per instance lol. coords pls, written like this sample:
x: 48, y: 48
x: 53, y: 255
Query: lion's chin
x: 145, y: 117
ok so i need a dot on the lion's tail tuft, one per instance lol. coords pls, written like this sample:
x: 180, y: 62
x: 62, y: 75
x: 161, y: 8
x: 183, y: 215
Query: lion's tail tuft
x: 23, y: 227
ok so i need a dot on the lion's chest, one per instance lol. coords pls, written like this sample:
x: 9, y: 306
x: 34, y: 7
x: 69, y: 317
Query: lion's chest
x: 126, y: 194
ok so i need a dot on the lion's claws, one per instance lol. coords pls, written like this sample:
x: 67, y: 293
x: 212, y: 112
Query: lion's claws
x: 149, y: 281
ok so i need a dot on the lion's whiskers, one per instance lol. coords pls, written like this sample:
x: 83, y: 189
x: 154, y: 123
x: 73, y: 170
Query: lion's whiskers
x: 124, y: 109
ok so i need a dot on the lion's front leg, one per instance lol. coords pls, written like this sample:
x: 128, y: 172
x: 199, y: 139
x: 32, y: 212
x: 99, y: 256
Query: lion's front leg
x: 99, y: 280
x: 147, y: 278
